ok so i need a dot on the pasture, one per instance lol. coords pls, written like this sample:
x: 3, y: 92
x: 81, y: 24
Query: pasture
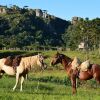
x: 53, y: 83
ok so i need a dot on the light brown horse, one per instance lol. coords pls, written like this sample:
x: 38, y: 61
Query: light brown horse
x: 25, y: 65
x: 92, y: 72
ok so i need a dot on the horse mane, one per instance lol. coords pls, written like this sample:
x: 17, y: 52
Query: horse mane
x: 66, y: 57
x: 15, y: 60
x: 31, y: 61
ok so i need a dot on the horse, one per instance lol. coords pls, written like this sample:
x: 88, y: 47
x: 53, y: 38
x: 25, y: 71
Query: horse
x: 92, y: 72
x: 25, y: 65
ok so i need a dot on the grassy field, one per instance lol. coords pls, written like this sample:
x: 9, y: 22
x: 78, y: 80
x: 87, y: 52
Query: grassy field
x: 51, y: 87
x: 53, y: 83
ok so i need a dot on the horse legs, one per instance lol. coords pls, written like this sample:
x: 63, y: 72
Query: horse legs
x: 17, y: 79
x: 22, y: 80
x: 1, y: 73
x: 26, y: 76
x: 97, y: 78
x: 73, y: 81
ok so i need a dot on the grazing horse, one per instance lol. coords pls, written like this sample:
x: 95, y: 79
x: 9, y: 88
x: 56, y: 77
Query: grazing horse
x: 24, y: 66
x: 92, y: 72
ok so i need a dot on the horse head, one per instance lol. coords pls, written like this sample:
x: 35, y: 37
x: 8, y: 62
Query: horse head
x: 56, y: 58
x: 40, y: 61
x: 60, y: 58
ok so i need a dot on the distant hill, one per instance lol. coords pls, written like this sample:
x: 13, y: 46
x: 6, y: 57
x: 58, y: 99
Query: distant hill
x: 23, y: 27
x: 34, y: 28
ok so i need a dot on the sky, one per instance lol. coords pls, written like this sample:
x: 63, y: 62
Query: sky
x: 65, y: 9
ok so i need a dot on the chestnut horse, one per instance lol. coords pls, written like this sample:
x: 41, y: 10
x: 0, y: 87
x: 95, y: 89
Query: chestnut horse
x: 92, y: 72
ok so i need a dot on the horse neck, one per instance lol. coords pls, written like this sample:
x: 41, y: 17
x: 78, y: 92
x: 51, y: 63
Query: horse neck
x: 34, y: 60
x: 31, y: 60
x: 66, y: 62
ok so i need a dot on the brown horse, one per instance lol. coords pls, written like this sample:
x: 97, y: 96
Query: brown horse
x: 92, y: 72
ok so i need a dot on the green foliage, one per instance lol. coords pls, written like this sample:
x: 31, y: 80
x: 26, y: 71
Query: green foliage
x: 24, y: 28
x: 21, y: 27
x: 84, y: 30
x: 46, y: 90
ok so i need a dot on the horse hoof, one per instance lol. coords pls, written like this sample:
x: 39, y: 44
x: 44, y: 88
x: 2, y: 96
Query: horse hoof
x: 21, y: 90
x: 13, y: 90
x: 73, y: 93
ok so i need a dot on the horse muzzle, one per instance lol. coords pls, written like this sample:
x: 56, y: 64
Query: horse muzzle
x: 52, y: 63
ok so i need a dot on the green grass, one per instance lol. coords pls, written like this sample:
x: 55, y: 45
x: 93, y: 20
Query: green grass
x: 47, y: 90
x: 53, y: 83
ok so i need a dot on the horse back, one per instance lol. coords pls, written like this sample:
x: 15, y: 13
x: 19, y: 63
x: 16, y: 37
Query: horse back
x: 13, y: 61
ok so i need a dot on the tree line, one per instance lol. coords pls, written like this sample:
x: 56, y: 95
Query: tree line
x: 25, y: 30
x: 85, y: 30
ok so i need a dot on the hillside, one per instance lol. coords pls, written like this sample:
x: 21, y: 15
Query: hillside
x: 30, y: 27
x: 34, y: 28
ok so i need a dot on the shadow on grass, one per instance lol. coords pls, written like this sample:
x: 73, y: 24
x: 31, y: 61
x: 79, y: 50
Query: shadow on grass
x: 51, y: 79
x: 42, y: 87
x: 50, y: 93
